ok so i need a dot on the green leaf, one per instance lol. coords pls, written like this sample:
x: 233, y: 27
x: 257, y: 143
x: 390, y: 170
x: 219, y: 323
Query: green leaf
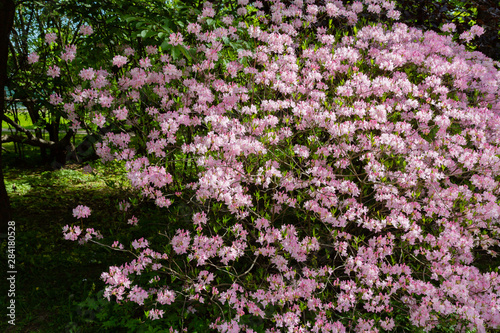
x: 165, y: 45
x: 185, y: 52
x: 175, y: 52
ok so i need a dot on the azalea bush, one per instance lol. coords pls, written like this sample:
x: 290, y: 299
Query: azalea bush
x: 338, y: 174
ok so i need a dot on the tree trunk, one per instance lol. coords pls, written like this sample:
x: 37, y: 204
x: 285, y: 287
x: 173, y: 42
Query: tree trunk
x: 7, y: 11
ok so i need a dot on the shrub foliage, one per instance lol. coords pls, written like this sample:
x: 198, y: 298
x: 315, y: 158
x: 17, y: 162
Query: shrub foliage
x: 339, y: 174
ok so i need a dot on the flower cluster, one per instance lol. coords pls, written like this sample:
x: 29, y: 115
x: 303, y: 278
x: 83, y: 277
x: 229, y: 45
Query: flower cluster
x: 338, y: 181
x: 81, y: 212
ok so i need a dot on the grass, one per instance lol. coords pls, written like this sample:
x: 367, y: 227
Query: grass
x: 58, y: 286
x: 24, y: 120
x: 54, y: 275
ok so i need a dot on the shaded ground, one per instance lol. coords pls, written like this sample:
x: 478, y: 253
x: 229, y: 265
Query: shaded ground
x: 54, y: 275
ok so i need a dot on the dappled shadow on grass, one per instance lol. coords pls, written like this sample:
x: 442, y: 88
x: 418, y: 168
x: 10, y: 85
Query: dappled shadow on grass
x: 55, y: 274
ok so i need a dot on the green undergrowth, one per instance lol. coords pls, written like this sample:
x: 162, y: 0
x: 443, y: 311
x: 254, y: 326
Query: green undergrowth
x: 57, y: 284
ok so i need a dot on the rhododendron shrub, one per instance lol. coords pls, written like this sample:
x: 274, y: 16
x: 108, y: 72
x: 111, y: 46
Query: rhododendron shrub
x: 337, y: 181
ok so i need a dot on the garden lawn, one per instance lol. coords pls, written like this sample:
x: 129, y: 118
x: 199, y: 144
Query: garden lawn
x: 54, y: 275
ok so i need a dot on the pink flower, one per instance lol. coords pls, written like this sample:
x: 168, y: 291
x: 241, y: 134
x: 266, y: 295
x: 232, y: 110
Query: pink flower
x: 393, y: 14
x: 180, y: 242
x: 54, y: 71
x: 129, y: 51
x: 71, y: 233
x: 88, y: 169
x: 120, y: 61
x: 194, y: 28
x: 117, y: 245
x: 133, y: 221
x: 208, y: 11
x: 477, y: 30
x: 99, y: 120
x: 50, y: 38
x: 145, y: 63
x: 55, y: 99
x: 138, y: 295
x: 69, y: 53
x: 448, y: 27
x: 151, y: 49
x: 32, y: 58
x: 387, y: 324
x: 87, y: 74
x: 241, y: 11
x: 140, y: 243
x: 200, y: 218
x: 155, y: 314
x: 176, y: 39
x: 106, y: 101
x: 474, y: 31
x: 123, y: 205
x: 121, y: 113
x: 81, y: 212
x: 466, y: 36
x: 86, y: 30
x: 166, y: 297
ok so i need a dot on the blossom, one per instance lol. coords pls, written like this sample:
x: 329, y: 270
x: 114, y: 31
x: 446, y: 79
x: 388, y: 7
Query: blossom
x: 121, y: 113
x: 33, y: 57
x: 133, y: 221
x: 50, y: 38
x: 81, y: 212
x: 145, y: 63
x: 69, y: 53
x: 176, y: 39
x: 71, y: 233
x: 140, y: 243
x: 448, y: 27
x: 180, y: 242
x: 123, y: 205
x: 87, y: 74
x: 151, y: 49
x: 166, y: 297
x: 155, y: 314
x: 138, y: 295
x: 118, y: 245
x: 88, y: 169
x: 54, y: 71
x: 55, y: 99
x: 378, y: 121
x: 119, y: 61
x: 129, y: 51
x: 99, y: 120
x: 474, y: 31
x: 86, y: 30
x: 477, y: 30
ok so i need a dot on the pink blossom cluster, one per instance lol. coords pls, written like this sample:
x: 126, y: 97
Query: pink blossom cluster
x: 81, y: 212
x: 336, y: 184
x: 54, y: 71
x: 33, y: 57
x: 69, y: 53
x: 86, y: 30
x: 50, y: 38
